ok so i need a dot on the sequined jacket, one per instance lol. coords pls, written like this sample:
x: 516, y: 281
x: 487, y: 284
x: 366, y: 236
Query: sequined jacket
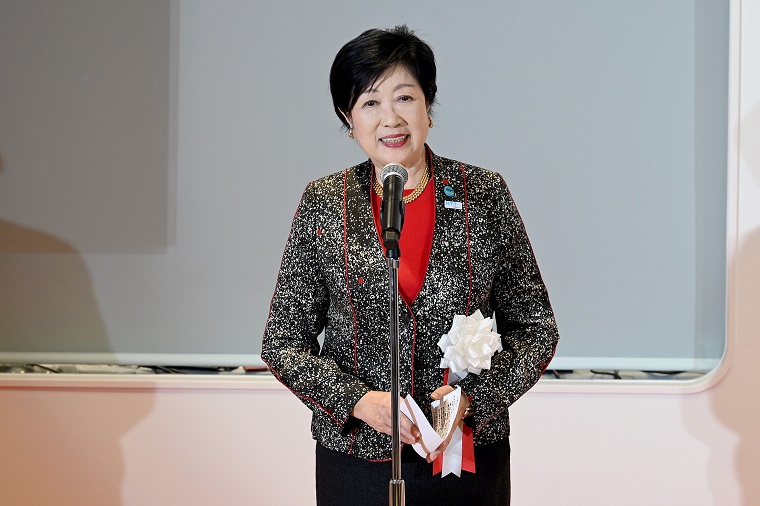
x: 333, y: 277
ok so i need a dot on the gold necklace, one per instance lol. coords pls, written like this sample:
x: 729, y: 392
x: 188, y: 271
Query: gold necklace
x: 417, y: 191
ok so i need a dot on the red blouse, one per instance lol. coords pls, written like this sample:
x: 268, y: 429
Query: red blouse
x: 416, y: 240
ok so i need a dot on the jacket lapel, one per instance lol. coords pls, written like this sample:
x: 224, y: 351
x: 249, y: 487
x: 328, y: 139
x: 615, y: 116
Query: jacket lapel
x: 366, y: 278
x: 448, y: 273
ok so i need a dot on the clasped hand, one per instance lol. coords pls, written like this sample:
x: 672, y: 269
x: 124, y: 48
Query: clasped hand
x: 374, y: 408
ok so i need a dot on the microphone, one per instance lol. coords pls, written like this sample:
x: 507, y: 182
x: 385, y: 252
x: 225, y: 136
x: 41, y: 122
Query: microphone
x: 394, y: 177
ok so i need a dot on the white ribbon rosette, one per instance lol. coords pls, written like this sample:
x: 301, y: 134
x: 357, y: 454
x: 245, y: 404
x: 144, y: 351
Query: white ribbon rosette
x: 469, y: 345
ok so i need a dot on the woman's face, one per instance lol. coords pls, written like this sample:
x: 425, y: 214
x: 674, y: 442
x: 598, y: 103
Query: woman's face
x: 390, y: 120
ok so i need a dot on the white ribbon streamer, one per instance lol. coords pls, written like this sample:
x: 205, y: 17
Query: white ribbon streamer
x: 452, y: 455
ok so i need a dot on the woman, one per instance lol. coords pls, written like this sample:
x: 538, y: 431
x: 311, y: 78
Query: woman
x: 463, y: 248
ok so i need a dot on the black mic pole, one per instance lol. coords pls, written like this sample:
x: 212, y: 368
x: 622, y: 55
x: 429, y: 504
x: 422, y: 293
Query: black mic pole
x: 396, y: 487
x: 394, y: 177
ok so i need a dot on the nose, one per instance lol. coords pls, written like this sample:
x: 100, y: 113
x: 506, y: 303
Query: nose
x: 391, y: 117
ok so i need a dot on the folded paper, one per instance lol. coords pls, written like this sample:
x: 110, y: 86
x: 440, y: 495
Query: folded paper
x: 444, y: 414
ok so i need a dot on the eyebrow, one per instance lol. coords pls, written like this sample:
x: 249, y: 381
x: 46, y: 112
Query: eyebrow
x: 398, y: 87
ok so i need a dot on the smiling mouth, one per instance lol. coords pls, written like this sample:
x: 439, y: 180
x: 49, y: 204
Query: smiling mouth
x: 394, y: 141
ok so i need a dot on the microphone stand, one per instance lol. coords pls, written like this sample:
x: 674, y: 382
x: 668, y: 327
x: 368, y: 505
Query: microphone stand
x: 396, y: 487
x: 396, y: 493
x: 394, y: 176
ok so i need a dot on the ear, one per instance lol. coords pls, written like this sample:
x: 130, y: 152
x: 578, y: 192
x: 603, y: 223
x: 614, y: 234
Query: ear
x: 348, y: 119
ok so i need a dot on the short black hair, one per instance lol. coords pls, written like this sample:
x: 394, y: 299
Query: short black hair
x: 365, y: 59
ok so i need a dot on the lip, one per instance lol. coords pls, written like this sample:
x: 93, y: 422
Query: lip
x: 396, y: 140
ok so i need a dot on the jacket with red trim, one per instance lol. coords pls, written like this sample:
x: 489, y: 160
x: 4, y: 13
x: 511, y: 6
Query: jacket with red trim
x: 333, y: 278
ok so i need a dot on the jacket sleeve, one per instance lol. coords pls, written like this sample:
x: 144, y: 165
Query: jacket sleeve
x: 297, y: 315
x: 524, y: 318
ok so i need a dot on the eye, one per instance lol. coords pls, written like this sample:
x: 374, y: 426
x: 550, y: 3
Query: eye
x: 405, y: 98
x: 370, y: 103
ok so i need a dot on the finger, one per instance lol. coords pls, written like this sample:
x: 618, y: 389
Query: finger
x: 463, y: 405
x: 406, y: 423
x: 436, y: 453
x: 410, y: 435
x: 440, y: 392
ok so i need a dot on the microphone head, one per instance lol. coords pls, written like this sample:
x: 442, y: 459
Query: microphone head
x: 395, y: 168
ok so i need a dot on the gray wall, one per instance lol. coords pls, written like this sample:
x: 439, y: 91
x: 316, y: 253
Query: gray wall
x: 152, y: 155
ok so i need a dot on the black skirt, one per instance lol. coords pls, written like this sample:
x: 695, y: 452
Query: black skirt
x: 345, y: 480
